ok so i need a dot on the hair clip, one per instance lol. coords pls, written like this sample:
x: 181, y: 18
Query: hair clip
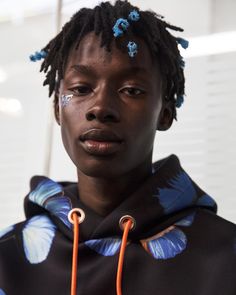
x: 179, y: 101
x: 132, y: 48
x: 65, y: 98
x: 134, y: 15
x: 120, y: 26
x: 38, y: 55
x: 184, y: 43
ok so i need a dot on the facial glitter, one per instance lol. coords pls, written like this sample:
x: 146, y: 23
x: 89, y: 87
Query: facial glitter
x: 65, y: 98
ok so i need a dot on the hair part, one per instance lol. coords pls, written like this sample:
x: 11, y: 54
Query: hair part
x: 151, y: 27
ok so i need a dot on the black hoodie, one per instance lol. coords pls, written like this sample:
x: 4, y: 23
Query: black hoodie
x: 178, y: 244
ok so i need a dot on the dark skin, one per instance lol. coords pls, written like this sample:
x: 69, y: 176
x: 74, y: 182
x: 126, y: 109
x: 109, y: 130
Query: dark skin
x: 112, y: 95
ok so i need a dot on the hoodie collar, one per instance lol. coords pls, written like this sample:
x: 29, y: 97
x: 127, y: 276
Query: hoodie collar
x: 162, y: 199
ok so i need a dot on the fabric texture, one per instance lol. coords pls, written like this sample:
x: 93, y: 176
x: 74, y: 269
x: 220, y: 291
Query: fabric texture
x: 179, y: 245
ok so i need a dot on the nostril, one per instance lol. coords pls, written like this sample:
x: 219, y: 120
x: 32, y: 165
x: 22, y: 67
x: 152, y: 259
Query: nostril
x: 90, y: 116
x: 103, y: 114
x: 109, y: 118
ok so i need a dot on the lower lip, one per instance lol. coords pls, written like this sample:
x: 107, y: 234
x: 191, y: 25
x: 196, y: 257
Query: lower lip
x: 101, y: 147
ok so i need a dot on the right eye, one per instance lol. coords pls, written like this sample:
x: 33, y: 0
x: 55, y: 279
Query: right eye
x: 81, y: 90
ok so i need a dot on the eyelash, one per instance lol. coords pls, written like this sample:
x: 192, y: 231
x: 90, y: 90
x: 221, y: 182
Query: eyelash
x: 134, y: 89
x: 76, y: 90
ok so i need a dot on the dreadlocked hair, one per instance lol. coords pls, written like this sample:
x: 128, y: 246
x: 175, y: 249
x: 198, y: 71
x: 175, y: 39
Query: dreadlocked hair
x: 151, y: 27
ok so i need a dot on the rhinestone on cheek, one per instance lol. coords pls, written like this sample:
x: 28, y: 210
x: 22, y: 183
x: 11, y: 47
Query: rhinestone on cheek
x: 65, y: 98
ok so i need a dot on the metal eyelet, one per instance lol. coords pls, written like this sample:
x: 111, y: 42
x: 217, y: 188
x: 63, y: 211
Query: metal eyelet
x: 81, y: 215
x: 124, y: 219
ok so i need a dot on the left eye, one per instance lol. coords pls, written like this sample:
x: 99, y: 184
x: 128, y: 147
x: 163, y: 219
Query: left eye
x: 131, y: 91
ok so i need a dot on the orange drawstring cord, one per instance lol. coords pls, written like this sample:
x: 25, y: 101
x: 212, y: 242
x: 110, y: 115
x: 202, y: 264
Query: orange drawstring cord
x: 75, y: 219
x: 127, y: 226
x: 75, y: 254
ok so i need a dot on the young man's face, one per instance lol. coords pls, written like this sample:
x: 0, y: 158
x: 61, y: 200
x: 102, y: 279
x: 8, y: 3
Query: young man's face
x: 112, y: 93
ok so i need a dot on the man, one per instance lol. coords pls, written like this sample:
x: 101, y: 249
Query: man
x: 145, y: 228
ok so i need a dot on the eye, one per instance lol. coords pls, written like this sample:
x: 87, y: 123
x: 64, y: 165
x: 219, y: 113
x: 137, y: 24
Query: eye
x: 81, y: 90
x: 132, y: 91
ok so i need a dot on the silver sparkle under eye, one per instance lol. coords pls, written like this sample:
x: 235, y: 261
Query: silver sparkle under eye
x: 65, y: 98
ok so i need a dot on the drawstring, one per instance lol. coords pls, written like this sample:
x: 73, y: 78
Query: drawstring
x: 75, y: 254
x: 75, y: 219
x: 127, y: 222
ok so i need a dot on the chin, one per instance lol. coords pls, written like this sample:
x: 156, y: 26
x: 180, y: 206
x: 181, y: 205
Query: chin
x: 104, y: 168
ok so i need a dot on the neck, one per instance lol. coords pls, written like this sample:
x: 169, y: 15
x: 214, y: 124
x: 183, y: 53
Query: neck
x: 103, y: 195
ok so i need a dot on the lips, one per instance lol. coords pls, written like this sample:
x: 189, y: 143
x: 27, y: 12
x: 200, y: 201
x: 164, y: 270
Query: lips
x: 100, y: 142
x: 100, y: 135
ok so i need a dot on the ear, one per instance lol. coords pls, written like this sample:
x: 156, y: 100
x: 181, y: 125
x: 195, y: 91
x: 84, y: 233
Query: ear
x: 166, y: 116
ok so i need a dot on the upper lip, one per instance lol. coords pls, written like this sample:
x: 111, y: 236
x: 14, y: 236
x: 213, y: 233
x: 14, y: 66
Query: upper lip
x: 100, y: 135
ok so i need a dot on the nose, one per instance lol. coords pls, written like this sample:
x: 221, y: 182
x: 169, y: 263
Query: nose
x: 105, y: 107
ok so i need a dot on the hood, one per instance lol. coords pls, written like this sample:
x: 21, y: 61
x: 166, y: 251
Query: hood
x: 166, y: 196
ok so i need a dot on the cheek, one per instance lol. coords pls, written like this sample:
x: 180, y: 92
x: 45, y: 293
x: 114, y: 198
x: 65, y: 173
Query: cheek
x: 69, y: 129
x: 144, y: 120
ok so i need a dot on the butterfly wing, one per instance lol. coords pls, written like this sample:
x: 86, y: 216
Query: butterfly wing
x: 44, y: 190
x: 105, y: 247
x: 60, y: 207
x: 46, y: 196
x: 166, y: 245
x: 38, y: 235
x: 180, y: 195
x: 6, y: 230
x: 206, y: 200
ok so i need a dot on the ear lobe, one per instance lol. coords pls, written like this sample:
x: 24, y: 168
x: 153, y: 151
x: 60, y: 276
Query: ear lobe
x: 165, y: 118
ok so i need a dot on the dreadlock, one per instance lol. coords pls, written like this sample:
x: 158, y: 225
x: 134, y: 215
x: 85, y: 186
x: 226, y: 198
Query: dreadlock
x: 151, y: 28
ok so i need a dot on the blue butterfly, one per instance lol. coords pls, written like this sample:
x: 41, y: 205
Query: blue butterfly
x: 6, y: 230
x: 166, y: 244
x: 181, y: 194
x: 169, y: 242
x: 38, y: 234
x: 2, y: 292
x: 206, y: 200
x: 44, y: 196
x: 105, y: 247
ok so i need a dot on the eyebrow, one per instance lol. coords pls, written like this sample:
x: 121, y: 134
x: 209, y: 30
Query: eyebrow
x: 127, y: 71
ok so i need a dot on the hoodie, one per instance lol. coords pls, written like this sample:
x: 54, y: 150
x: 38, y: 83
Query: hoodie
x: 171, y: 242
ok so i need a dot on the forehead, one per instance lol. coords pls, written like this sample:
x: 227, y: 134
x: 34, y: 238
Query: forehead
x: 90, y: 52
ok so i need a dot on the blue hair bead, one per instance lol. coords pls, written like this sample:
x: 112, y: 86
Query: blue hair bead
x: 43, y: 53
x: 38, y: 55
x: 120, y: 26
x: 184, y: 43
x: 132, y: 46
x: 134, y: 15
x: 33, y: 58
x: 179, y: 101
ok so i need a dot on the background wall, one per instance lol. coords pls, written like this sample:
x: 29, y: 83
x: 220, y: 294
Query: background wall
x: 203, y: 137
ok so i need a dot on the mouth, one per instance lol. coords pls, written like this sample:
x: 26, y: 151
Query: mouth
x: 101, y: 142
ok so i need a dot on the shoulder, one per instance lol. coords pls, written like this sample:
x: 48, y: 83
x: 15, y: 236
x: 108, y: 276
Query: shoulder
x: 211, y: 222
x: 214, y: 236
